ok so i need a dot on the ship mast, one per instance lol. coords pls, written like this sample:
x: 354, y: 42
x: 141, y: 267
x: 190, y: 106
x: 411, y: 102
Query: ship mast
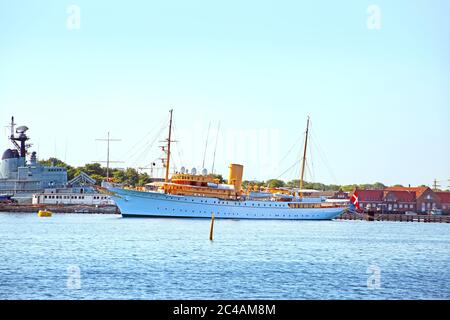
x: 304, y: 159
x: 168, y: 147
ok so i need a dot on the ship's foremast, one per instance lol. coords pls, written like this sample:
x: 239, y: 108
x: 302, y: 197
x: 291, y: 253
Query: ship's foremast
x: 304, y: 159
x: 169, y: 140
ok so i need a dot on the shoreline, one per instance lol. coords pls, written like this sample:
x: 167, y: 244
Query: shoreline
x: 57, y: 208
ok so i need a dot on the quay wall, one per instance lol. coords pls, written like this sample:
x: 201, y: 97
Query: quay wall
x: 59, y: 208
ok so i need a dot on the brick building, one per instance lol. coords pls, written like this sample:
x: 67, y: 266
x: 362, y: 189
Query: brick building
x: 370, y: 199
x: 426, y: 199
x: 444, y: 197
x: 402, y: 199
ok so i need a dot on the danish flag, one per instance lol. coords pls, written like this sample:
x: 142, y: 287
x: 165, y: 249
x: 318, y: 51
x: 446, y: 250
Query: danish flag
x: 354, y: 199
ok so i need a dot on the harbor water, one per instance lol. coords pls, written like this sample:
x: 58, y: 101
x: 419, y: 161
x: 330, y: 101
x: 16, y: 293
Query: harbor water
x: 70, y: 256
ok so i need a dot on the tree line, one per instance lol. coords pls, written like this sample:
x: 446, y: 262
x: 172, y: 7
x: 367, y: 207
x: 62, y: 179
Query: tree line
x: 134, y: 178
x: 129, y: 176
x: 275, y: 183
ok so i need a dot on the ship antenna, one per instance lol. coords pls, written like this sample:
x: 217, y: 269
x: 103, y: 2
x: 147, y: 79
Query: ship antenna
x: 168, y: 148
x: 206, y: 145
x: 12, y: 127
x: 215, y: 148
x: 304, y: 159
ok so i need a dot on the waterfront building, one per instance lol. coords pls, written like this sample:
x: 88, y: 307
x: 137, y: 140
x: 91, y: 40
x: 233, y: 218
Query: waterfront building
x: 403, y: 199
x: 370, y: 199
x: 444, y: 197
x: 426, y: 199
x: 79, y: 191
x: 66, y: 196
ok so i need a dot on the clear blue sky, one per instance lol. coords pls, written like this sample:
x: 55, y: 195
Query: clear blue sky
x: 379, y: 100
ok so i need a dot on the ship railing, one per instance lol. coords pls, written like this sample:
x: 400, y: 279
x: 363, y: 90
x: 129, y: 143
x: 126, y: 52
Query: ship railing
x: 299, y: 205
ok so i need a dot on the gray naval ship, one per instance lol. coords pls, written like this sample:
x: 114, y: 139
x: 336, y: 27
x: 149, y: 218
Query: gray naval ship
x: 20, y: 177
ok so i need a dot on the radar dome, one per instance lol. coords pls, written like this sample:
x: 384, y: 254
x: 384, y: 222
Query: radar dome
x: 10, y: 154
x: 22, y: 129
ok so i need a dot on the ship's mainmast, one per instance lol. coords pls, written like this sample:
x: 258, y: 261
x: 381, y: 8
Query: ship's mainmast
x: 169, y: 140
x: 304, y: 159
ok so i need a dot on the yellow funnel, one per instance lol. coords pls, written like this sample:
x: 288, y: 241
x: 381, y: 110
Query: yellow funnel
x: 235, y: 176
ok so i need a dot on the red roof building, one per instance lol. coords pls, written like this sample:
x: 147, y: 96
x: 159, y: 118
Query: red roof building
x: 426, y: 199
x: 403, y: 199
x: 370, y: 199
x: 445, y: 200
x: 400, y: 200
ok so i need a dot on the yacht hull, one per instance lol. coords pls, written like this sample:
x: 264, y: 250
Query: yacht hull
x: 154, y: 204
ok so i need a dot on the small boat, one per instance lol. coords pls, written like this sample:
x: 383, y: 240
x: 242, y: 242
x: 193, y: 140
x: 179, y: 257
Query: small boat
x: 44, y: 213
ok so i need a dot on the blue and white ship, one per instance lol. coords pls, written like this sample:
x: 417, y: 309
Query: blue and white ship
x: 192, y: 195
x: 156, y: 204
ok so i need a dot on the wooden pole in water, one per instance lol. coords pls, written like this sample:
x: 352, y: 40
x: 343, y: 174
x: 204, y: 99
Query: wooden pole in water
x: 211, y: 230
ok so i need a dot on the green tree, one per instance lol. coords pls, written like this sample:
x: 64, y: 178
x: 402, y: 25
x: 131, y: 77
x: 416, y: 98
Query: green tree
x: 378, y: 185
x: 94, y: 168
x: 220, y: 177
x: 275, y: 183
x: 144, y: 178
x: 50, y: 162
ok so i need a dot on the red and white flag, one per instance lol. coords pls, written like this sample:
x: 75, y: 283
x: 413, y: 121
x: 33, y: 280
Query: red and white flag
x: 354, y: 199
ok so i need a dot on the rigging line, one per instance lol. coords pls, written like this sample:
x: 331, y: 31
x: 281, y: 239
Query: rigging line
x: 138, y: 153
x: 177, y: 144
x: 292, y: 147
x: 290, y: 168
x: 311, y: 165
x: 150, y: 165
x: 324, y: 159
x: 206, y: 146
x: 132, y: 149
x: 299, y: 156
x: 158, y: 134
x: 175, y: 135
x: 137, y: 158
x: 147, y: 148
x: 311, y: 162
x: 215, y: 148
x: 308, y: 168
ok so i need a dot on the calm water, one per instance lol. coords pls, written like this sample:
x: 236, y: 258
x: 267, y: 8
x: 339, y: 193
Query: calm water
x: 173, y: 259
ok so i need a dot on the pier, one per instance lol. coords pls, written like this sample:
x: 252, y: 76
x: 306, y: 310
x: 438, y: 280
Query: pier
x: 372, y: 216
x: 60, y: 208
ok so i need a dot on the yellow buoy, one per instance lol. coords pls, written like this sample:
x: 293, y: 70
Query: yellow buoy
x: 44, y: 213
